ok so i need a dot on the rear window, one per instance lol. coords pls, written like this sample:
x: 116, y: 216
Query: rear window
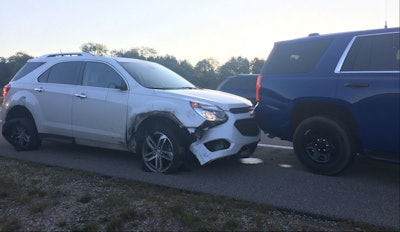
x: 374, y: 53
x: 27, y: 68
x: 299, y: 57
x: 239, y: 83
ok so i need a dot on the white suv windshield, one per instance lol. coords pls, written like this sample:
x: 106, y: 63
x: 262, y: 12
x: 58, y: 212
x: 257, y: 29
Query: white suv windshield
x: 154, y: 76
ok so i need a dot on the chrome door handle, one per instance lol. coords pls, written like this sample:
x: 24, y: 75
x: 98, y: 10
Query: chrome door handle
x: 39, y: 89
x: 82, y: 95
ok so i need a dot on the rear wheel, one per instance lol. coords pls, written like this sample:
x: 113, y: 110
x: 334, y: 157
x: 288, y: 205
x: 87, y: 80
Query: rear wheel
x: 323, y: 145
x: 161, y: 149
x: 22, y: 134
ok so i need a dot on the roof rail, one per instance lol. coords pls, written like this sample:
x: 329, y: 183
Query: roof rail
x: 66, y: 54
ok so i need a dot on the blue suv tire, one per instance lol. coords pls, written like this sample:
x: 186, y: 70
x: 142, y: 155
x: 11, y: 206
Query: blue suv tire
x: 323, y: 145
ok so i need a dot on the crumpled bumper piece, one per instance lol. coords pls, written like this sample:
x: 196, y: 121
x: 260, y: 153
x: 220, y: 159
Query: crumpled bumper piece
x: 232, y: 142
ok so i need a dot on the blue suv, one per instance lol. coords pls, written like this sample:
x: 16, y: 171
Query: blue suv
x: 334, y: 96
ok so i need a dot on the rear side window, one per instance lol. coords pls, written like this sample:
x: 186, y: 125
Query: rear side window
x: 299, y: 57
x: 27, y: 68
x: 374, y: 53
x: 62, y: 73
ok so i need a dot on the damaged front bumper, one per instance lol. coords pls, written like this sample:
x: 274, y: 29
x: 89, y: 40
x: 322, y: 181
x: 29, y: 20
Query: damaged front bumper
x: 234, y: 137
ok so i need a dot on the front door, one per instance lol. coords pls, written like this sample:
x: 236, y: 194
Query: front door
x: 100, y: 105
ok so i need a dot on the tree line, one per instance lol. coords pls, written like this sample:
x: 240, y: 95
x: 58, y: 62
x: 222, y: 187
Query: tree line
x: 207, y: 73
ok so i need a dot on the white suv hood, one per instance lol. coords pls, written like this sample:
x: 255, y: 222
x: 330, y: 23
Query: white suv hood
x: 224, y: 100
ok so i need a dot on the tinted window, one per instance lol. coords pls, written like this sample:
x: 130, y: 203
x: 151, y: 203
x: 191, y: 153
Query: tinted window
x: 239, y: 83
x: 101, y: 75
x: 299, y: 57
x: 374, y: 53
x: 44, y: 76
x: 62, y: 73
x: 155, y: 76
x: 229, y: 84
x: 27, y: 68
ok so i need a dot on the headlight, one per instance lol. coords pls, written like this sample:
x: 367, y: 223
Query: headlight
x: 210, y: 113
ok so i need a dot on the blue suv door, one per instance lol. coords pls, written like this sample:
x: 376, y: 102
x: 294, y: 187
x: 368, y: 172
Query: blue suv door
x: 369, y: 81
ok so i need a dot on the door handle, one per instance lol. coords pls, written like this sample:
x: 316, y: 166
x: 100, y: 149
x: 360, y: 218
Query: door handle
x: 356, y: 85
x: 40, y: 89
x: 82, y: 95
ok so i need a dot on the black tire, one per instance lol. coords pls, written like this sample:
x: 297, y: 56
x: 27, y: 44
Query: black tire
x: 22, y: 134
x: 161, y: 149
x: 323, y: 145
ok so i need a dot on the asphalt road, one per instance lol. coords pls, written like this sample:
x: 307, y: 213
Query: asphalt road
x: 367, y: 192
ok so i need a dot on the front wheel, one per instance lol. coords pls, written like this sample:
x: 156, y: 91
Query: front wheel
x: 323, y: 145
x: 161, y: 149
x: 22, y: 134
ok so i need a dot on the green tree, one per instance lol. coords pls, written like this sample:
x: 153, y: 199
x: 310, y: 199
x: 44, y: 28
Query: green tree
x: 147, y: 52
x: 10, y: 66
x: 233, y: 67
x: 168, y: 61
x: 143, y: 53
x: 186, y: 70
x: 183, y: 68
x: 16, y: 61
x: 3, y: 72
x: 205, y: 72
x: 256, y: 65
x: 95, y: 49
x: 132, y: 53
x: 207, y: 65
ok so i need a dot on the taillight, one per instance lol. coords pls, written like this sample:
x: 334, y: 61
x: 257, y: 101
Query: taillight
x: 6, y: 88
x: 258, y: 87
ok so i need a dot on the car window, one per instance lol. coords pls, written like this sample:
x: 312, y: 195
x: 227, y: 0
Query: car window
x: 247, y: 83
x: 101, y: 75
x: 155, y: 76
x: 228, y: 84
x: 374, y: 53
x: 299, y: 57
x: 239, y: 83
x: 27, y: 68
x: 62, y: 73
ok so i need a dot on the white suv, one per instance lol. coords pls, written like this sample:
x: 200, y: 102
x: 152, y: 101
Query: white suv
x: 124, y: 104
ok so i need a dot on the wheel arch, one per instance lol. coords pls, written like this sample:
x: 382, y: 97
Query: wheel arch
x: 144, y: 120
x: 24, y: 139
x: 336, y: 112
x: 19, y: 112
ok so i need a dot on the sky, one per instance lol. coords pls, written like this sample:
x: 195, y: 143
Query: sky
x: 190, y: 30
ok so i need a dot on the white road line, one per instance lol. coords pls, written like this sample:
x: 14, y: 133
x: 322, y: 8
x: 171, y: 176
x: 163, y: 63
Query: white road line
x: 275, y: 146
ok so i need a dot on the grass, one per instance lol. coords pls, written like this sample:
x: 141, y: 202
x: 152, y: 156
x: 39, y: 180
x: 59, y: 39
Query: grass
x: 37, y: 197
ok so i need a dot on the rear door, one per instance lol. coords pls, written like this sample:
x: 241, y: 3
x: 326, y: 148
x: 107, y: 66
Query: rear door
x: 369, y: 81
x: 54, y: 92
x: 100, y: 105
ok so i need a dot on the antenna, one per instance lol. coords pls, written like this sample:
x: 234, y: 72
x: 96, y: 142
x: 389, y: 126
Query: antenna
x: 385, y: 14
